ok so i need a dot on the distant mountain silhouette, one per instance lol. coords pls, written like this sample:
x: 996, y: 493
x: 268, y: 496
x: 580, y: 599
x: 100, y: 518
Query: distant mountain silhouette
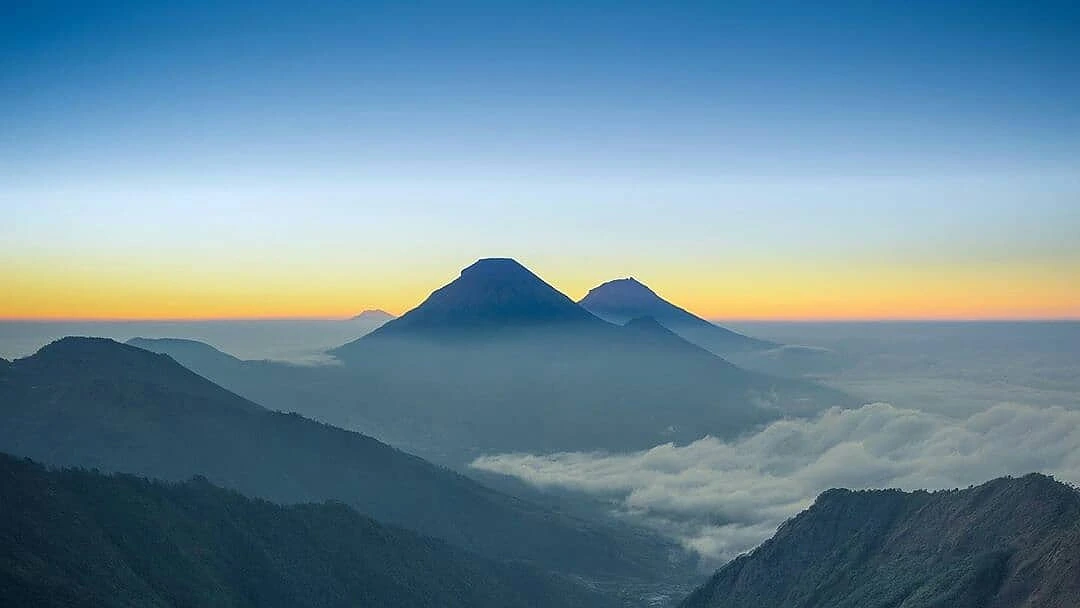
x: 621, y: 300
x: 649, y: 331
x: 1009, y: 543
x: 92, y: 402
x: 373, y: 316
x: 500, y: 360
x: 494, y: 294
x: 78, y: 538
x: 184, y: 350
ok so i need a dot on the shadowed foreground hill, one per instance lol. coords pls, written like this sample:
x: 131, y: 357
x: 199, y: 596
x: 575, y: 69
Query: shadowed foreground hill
x: 1009, y: 543
x: 77, y: 538
x: 98, y: 404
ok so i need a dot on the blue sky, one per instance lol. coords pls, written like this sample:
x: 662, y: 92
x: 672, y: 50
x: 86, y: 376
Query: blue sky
x: 590, y: 139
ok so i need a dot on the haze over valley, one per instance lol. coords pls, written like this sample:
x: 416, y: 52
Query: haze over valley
x: 539, y: 305
x: 911, y: 415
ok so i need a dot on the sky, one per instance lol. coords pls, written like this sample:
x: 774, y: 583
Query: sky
x: 747, y: 160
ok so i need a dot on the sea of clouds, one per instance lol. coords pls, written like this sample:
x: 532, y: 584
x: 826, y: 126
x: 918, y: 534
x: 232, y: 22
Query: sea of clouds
x: 722, y: 498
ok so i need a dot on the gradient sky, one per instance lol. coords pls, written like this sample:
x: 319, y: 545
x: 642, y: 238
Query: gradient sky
x: 746, y: 160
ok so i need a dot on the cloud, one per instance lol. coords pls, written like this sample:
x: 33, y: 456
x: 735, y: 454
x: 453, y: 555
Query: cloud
x: 723, y: 498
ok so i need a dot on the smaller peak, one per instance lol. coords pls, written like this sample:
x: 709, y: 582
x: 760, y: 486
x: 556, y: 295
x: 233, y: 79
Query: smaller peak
x: 70, y: 344
x: 625, y: 291
x: 179, y: 348
x: 625, y: 282
x: 373, y: 314
x: 646, y: 329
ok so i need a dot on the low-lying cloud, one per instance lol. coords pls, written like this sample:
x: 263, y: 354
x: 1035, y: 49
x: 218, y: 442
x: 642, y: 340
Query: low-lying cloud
x: 723, y: 498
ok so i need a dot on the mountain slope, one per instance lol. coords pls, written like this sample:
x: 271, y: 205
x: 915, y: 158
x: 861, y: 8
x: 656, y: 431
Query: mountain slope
x: 187, y: 350
x: 96, y: 403
x: 77, y: 538
x: 1009, y: 543
x: 621, y: 300
x: 647, y: 330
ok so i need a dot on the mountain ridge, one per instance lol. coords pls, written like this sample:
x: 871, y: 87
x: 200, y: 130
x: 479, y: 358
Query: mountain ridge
x: 1007, y: 543
x: 97, y: 403
x: 181, y: 349
x: 79, y: 538
x: 621, y: 300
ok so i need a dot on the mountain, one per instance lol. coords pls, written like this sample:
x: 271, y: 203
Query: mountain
x: 1009, y: 543
x: 100, y: 404
x: 491, y: 295
x: 498, y: 360
x: 187, y: 350
x: 373, y: 316
x: 77, y: 538
x: 647, y: 330
x: 621, y: 300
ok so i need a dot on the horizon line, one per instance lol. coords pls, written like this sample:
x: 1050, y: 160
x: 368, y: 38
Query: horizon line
x: 271, y: 318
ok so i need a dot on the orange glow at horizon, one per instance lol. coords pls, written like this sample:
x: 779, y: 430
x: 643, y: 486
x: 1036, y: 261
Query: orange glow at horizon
x: 94, y: 291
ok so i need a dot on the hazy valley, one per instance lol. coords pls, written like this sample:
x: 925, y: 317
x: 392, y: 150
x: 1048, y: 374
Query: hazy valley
x: 644, y: 459
x: 539, y: 304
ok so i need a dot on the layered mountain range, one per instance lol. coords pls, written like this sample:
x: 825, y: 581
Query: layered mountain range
x: 495, y: 360
x: 95, y: 403
x: 77, y: 538
x: 500, y: 360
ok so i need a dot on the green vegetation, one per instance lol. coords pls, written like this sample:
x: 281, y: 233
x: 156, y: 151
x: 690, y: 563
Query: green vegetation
x: 80, y: 538
x: 98, y: 404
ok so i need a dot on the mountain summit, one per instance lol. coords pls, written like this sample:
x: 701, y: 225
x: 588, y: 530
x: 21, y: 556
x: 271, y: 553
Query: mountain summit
x: 491, y: 294
x: 617, y: 298
x: 376, y: 315
x: 622, y: 300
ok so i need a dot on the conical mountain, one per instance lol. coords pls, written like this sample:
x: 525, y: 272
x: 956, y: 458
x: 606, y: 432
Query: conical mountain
x: 621, y: 300
x: 499, y: 360
x: 493, y: 294
x: 376, y: 315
